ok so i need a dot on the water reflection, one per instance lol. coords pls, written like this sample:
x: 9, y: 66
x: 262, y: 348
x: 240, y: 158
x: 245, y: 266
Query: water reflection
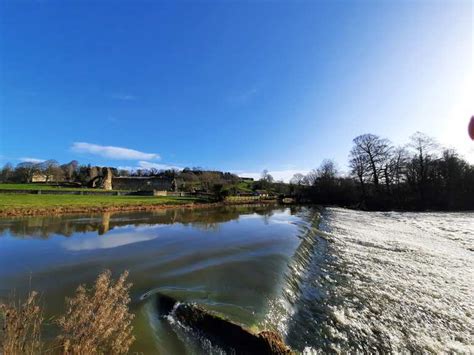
x: 43, y: 227
x: 115, y: 240
x: 231, y: 260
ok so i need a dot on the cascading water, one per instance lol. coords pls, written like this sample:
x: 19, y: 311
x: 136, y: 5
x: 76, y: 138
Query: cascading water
x: 381, y: 282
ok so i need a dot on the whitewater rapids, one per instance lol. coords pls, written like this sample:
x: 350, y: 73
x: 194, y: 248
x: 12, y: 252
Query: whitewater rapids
x: 383, y: 282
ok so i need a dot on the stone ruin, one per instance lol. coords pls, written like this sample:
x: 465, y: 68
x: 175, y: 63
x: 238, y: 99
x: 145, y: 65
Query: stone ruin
x: 100, y: 178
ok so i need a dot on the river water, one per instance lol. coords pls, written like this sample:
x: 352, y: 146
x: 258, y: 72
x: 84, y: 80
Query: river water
x: 329, y: 281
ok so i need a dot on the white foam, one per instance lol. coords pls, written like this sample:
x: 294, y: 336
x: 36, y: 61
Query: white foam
x: 408, y: 280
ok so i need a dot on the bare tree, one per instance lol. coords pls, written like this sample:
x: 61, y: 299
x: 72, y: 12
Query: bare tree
x: 26, y: 170
x: 6, y: 173
x: 70, y: 169
x: 425, y: 152
x: 311, y: 177
x: 359, y: 169
x: 266, y: 177
x: 297, y: 179
x: 123, y: 172
x: 327, y: 170
x: 50, y: 168
x: 153, y: 171
x: 398, y: 161
x: 369, y: 153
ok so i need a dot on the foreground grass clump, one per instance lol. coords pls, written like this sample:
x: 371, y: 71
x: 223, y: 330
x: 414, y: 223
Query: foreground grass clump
x: 97, y: 321
x: 21, y: 328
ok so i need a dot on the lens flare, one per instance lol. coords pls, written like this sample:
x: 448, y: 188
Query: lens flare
x: 471, y: 128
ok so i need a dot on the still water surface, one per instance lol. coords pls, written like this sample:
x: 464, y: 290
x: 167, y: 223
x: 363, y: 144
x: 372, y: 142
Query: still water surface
x: 357, y: 281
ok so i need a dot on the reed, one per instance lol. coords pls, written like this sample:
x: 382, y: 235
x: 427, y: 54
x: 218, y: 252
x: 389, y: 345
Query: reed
x: 97, y: 321
x: 21, y: 326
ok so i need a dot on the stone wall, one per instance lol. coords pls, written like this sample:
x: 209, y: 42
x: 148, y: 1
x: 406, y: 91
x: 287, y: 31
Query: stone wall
x: 142, y: 183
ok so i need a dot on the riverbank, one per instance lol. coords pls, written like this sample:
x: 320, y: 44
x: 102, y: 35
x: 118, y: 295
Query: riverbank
x: 37, y: 205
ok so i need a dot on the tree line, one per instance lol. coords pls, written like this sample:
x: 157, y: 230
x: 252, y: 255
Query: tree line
x: 419, y: 176
x: 194, y: 179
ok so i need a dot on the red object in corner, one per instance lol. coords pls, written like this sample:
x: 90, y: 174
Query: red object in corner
x: 471, y: 128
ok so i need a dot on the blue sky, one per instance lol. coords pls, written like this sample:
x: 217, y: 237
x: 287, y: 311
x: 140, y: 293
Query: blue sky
x: 238, y: 86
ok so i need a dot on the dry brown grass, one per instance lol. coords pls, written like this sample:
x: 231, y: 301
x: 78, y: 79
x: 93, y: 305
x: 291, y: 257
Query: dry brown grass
x: 21, y: 326
x: 98, y: 320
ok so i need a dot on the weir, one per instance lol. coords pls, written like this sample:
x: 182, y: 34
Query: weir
x: 221, y: 332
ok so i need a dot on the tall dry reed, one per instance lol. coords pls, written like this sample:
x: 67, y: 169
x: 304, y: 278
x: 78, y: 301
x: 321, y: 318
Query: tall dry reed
x: 98, y: 320
x: 21, y: 326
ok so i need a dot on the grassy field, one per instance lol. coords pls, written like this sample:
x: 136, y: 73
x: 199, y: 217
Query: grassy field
x: 244, y: 186
x: 43, y: 187
x: 31, y: 202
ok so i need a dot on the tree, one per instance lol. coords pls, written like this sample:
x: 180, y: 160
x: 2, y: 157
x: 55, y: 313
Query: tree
x: 368, y: 156
x: 424, y: 149
x: 397, y: 170
x: 311, y: 177
x: 25, y: 171
x: 70, y: 169
x: 50, y: 168
x: 266, y: 177
x: 6, y: 173
x: 297, y: 179
x: 327, y: 170
x: 209, y: 179
x: 359, y: 169
x: 123, y: 172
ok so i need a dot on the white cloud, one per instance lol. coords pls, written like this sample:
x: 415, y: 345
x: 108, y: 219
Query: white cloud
x: 32, y: 160
x: 110, y: 152
x: 284, y: 175
x: 150, y: 165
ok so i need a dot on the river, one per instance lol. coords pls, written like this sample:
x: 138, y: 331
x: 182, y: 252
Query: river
x: 334, y: 280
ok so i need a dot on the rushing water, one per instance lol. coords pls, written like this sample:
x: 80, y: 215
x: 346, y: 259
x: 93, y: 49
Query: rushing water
x: 387, y: 282
x: 332, y: 282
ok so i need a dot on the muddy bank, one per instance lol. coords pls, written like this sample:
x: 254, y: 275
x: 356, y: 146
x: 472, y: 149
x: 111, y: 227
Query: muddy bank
x: 34, y: 211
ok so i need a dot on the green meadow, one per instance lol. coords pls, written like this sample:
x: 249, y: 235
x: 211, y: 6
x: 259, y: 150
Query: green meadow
x: 18, y: 202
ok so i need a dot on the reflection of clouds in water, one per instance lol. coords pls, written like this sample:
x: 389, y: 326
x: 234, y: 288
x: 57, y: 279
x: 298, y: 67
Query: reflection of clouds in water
x: 276, y: 217
x: 149, y: 227
x: 111, y: 240
x: 283, y: 217
x: 250, y: 216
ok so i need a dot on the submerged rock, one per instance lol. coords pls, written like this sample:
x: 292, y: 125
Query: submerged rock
x: 221, y: 332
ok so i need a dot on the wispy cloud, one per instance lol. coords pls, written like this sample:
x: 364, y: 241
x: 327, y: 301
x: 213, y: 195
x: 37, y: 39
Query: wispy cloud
x: 123, y: 97
x: 31, y: 160
x: 284, y: 175
x: 150, y: 165
x: 110, y: 152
